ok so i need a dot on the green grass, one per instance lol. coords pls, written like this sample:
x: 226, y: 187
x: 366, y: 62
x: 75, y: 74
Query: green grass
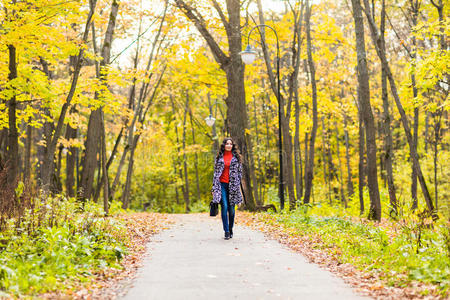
x: 400, y: 251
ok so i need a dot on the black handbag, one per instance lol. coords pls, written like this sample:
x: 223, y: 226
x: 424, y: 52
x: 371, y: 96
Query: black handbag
x: 213, y: 209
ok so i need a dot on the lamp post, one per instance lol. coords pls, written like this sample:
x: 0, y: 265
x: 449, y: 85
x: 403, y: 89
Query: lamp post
x: 248, y: 56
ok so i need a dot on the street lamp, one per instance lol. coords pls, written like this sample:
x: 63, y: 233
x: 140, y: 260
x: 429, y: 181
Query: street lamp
x: 248, y: 56
x: 210, y: 120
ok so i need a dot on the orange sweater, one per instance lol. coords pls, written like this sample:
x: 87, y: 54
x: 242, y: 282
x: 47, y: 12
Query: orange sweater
x: 225, y: 177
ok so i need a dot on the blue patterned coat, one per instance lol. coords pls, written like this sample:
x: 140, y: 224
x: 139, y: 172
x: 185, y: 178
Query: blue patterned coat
x: 235, y: 180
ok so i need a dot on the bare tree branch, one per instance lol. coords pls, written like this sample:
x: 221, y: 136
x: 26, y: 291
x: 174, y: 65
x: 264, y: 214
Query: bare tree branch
x: 222, y: 16
x: 221, y: 58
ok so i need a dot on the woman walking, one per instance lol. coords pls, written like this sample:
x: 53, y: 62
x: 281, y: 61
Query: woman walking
x: 227, y: 182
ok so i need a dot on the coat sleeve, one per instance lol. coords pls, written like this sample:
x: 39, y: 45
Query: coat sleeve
x: 240, y: 171
x: 214, y: 176
x: 214, y: 173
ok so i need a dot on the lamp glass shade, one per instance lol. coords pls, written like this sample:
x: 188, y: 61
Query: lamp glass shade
x: 210, y: 120
x: 248, y: 55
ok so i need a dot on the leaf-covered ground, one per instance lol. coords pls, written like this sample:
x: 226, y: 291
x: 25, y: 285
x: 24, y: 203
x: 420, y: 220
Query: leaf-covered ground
x: 110, y: 283
x: 370, y: 282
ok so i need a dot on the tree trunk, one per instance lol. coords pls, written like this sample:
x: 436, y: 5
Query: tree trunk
x: 46, y: 163
x: 105, y: 179
x: 415, y: 11
x: 12, y: 155
x: 252, y: 156
x: 89, y: 161
x: 442, y: 36
x: 427, y: 125
x: 268, y: 147
x: 215, y: 138
x: 292, y: 86
x: 197, y: 181
x: 71, y: 133
x: 127, y: 187
x: 95, y: 125
x: 119, y: 171
x: 252, y: 168
x: 332, y: 173
x: 443, y: 46
x: 293, y: 94
x: 96, y: 193
x: 12, y: 158
x: 259, y: 200
x: 288, y: 163
x: 286, y: 138
x: 72, y: 152
x: 326, y: 179
x: 3, y: 144
x: 177, y: 197
x: 57, y: 179
x: 27, y: 159
x: 309, y: 173
x: 388, y: 153
x: 366, y: 111
x: 435, y: 159
x: 382, y: 55
x: 298, y: 151
x: 237, y: 120
x: 232, y: 65
x: 177, y: 160
x: 109, y: 161
x: 306, y: 157
x: 341, y: 180
x: 131, y: 104
x: 140, y: 113
x: 361, y: 164
x: 347, y: 157
x: 48, y: 169
x: 437, y: 116
x: 414, y: 144
x: 186, y: 177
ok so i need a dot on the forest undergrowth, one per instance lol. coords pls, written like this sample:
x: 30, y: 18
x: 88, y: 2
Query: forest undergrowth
x: 56, y: 246
x: 406, y: 256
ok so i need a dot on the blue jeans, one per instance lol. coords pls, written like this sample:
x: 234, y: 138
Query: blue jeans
x: 227, y: 209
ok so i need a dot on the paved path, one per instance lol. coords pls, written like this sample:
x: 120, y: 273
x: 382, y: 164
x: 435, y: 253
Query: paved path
x: 191, y: 260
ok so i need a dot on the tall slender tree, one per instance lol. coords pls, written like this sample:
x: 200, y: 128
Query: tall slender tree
x: 233, y: 67
x: 404, y: 120
x: 366, y: 113
x: 12, y: 160
x: 48, y: 164
x: 309, y: 172
x: 95, y: 126
x: 388, y: 153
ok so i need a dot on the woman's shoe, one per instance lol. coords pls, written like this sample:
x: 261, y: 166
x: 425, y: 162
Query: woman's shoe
x: 227, y: 235
x: 231, y: 233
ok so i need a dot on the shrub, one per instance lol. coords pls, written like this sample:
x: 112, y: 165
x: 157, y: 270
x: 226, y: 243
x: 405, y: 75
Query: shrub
x: 57, y: 240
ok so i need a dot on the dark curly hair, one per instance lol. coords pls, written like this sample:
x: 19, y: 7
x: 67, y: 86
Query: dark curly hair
x: 234, y: 150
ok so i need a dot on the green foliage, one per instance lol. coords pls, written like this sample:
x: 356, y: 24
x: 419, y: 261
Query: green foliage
x: 54, y: 242
x: 199, y: 207
x: 411, y: 249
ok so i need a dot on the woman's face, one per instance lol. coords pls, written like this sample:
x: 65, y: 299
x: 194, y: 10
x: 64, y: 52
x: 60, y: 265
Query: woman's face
x: 228, y: 145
